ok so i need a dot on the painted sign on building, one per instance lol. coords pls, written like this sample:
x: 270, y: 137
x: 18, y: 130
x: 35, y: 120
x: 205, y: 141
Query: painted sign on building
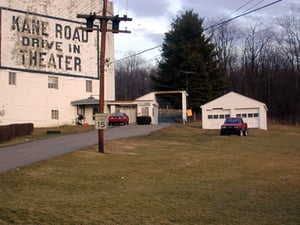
x: 47, y: 44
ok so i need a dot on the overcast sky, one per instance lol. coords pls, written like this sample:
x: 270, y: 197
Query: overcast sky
x: 152, y: 18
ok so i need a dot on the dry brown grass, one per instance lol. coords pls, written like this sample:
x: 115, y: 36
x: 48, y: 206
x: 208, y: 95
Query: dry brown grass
x: 178, y: 175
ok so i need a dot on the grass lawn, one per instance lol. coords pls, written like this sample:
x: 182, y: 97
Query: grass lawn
x: 178, y: 175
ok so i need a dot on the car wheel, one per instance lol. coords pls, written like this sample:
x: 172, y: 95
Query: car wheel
x: 245, y: 133
x: 241, y: 133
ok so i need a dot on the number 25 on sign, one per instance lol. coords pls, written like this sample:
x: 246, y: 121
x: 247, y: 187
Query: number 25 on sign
x: 100, y: 121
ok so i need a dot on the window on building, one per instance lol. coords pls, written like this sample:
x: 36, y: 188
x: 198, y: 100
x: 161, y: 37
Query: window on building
x: 221, y: 116
x: 238, y: 115
x: 54, y: 114
x: 81, y: 110
x: 209, y: 117
x: 88, y: 86
x: 216, y: 116
x: 53, y: 82
x: 227, y: 115
x: 244, y: 115
x: 12, y: 78
x: 255, y: 114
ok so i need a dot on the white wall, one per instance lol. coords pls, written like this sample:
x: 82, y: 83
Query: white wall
x: 30, y: 100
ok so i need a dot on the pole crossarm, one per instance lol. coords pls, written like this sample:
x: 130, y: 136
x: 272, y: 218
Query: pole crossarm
x: 112, y: 18
x: 90, y: 18
x: 99, y: 29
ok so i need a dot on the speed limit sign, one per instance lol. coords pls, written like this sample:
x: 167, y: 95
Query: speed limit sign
x: 101, y: 121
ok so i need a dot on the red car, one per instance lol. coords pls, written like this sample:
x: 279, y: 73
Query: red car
x: 118, y: 118
x: 234, y: 126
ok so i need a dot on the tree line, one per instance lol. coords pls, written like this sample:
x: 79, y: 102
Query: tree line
x: 258, y: 61
x: 263, y: 62
x: 132, y: 77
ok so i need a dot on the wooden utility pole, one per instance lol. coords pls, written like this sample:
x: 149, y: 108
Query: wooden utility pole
x: 101, y: 78
x: 103, y: 29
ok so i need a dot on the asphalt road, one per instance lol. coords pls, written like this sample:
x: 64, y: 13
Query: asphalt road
x: 25, y: 154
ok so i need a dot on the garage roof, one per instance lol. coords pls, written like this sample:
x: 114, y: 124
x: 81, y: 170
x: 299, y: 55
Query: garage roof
x: 120, y: 102
x: 232, y: 100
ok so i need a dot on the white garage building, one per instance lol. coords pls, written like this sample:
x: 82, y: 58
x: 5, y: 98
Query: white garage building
x: 234, y: 105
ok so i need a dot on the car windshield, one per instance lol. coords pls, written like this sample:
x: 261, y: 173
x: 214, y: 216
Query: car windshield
x: 233, y: 120
x: 118, y: 114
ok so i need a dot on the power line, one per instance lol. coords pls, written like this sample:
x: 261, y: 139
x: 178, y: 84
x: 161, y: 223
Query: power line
x: 238, y: 9
x: 205, y: 29
x: 138, y: 53
x: 243, y: 14
x: 253, y: 6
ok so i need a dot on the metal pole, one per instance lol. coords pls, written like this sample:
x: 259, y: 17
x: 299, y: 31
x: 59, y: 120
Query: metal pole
x: 101, y: 78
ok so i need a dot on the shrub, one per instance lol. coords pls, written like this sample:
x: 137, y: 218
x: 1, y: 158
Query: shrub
x: 142, y: 120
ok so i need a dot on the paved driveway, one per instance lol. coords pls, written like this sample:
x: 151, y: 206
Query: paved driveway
x: 24, y: 154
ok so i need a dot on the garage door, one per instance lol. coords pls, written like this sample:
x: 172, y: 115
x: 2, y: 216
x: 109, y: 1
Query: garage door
x: 250, y: 116
x: 131, y: 112
x: 216, y: 117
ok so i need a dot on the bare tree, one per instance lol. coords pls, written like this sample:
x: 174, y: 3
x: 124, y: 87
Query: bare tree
x: 290, y: 42
x: 264, y: 63
x: 255, y: 45
x: 226, y: 38
x: 132, y: 77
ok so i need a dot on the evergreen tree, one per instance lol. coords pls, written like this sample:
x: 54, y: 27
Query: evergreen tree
x: 188, y: 62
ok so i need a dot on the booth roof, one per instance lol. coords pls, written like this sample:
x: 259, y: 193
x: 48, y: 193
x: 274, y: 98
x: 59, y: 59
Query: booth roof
x: 86, y: 101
